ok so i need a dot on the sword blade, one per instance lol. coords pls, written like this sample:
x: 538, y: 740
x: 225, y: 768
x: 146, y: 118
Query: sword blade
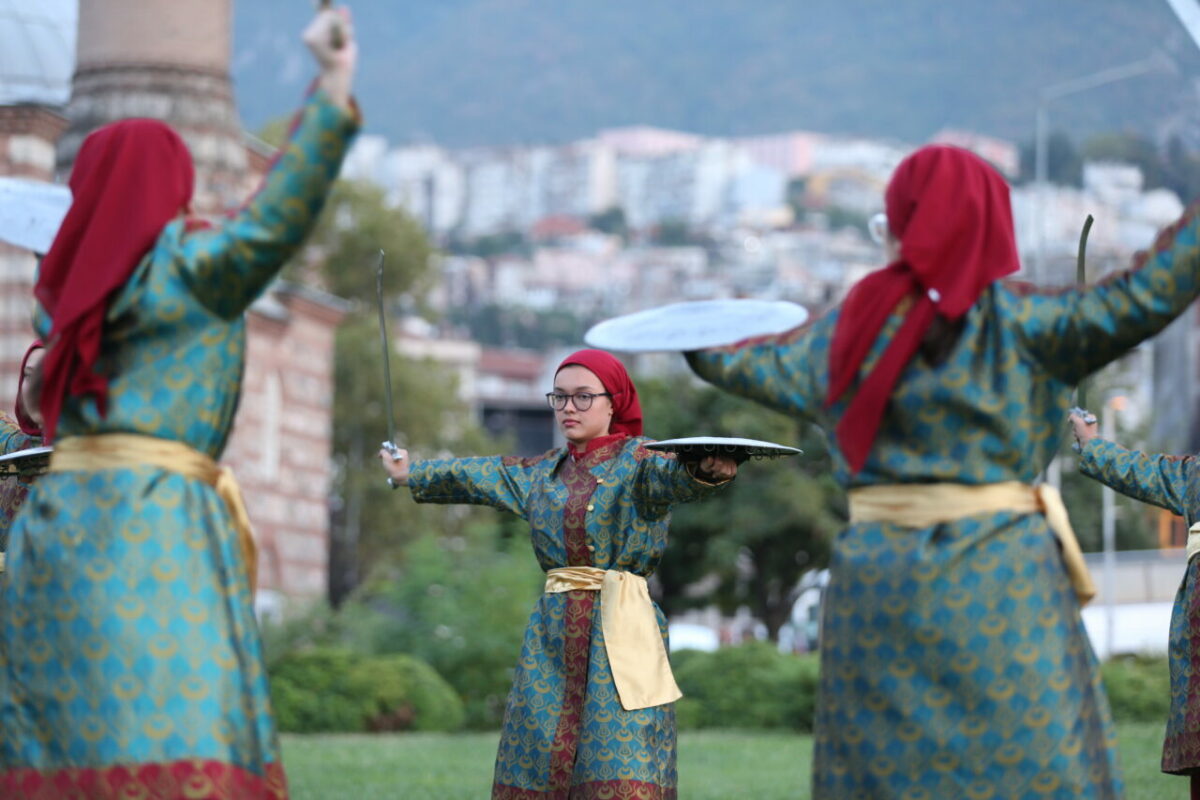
x: 1081, y: 279
x: 385, y: 345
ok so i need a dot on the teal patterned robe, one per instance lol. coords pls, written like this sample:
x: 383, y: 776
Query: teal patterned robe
x: 13, y: 491
x: 134, y: 666
x: 954, y: 662
x: 1172, y: 482
x: 565, y: 733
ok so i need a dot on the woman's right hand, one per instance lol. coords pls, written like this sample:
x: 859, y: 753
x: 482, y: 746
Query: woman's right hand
x: 396, y: 466
x: 330, y: 38
x: 1084, y: 426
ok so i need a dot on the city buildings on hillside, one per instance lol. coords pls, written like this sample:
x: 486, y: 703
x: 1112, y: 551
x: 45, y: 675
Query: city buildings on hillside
x: 652, y: 175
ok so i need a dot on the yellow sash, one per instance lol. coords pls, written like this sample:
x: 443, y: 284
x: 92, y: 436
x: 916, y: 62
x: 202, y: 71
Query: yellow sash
x: 636, y: 655
x: 111, y: 450
x: 921, y: 505
x: 1193, y: 542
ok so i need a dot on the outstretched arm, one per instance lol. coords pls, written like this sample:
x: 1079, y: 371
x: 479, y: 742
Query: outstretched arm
x: 662, y: 481
x: 12, y: 438
x: 1077, y: 331
x: 780, y: 371
x: 227, y: 267
x: 1158, y: 479
x: 501, y: 482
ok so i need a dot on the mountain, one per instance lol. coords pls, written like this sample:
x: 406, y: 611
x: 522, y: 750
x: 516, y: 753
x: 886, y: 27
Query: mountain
x: 470, y: 72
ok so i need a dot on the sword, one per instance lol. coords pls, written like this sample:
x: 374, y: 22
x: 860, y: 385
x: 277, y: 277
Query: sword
x: 390, y: 444
x: 1080, y: 407
x: 1081, y: 279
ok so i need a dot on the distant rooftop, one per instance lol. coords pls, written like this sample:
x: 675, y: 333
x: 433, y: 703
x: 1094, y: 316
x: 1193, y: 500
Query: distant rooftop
x: 37, y: 51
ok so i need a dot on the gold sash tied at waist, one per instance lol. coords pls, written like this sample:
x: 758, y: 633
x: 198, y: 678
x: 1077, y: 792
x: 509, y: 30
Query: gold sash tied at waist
x: 632, y: 640
x: 1193, y: 542
x: 112, y: 450
x: 922, y: 505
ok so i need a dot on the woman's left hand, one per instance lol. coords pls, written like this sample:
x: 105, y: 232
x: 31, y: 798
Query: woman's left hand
x: 716, y: 468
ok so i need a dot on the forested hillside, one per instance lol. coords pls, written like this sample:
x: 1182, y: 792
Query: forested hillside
x: 504, y: 71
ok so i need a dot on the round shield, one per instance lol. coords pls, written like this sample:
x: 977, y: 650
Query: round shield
x: 31, y: 212
x: 698, y: 325
x: 25, y: 463
x: 694, y: 448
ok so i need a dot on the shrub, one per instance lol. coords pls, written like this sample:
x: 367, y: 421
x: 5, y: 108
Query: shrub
x: 750, y: 686
x: 461, y: 604
x: 331, y: 689
x: 1139, y: 687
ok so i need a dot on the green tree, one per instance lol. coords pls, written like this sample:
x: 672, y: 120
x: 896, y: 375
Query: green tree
x: 797, y: 195
x: 847, y: 218
x: 611, y: 221
x: 1182, y: 171
x: 341, y: 257
x: 1064, y: 166
x: 459, y: 600
x: 343, y: 250
x: 515, y: 326
x: 491, y: 245
x: 357, y: 222
x: 763, y: 532
x: 672, y: 233
x: 371, y: 523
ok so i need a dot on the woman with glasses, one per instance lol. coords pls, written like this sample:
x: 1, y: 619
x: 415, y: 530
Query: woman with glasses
x: 954, y: 662
x: 591, y: 709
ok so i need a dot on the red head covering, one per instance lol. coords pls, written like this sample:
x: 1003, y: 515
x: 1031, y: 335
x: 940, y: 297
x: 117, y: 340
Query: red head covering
x: 130, y: 179
x: 950, y: 212
x: 627, y: 411
x: 24, y: 421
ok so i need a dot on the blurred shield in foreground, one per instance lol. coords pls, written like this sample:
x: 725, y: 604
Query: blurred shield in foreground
x: 25, y: 463
x: 31, y: 212
x: 698, y: 325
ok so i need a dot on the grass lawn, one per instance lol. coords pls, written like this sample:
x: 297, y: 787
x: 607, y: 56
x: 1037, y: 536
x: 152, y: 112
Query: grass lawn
x: 713, y: 765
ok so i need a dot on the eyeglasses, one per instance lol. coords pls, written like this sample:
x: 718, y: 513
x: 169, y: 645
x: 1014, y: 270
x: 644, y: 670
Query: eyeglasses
x: 877, y: 226
x: 582, y: 400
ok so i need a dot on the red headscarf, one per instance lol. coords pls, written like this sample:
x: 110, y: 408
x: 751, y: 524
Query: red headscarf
x: 627, y: 411
x: 24, y: 421
x: 950, y: 212
x: 130, y: 179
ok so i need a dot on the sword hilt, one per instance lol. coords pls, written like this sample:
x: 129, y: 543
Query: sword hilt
x: 1087, y: 416
x: 396, y: 455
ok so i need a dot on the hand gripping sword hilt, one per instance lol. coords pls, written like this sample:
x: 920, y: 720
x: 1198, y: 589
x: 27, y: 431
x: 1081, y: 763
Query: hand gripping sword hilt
x: 396, y: 455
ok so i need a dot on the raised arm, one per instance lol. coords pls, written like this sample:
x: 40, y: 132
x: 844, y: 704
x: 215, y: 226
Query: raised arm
x: 662, y: 481
x: 782, y: 372
x: 1075, y: 332
x: 229, y: 266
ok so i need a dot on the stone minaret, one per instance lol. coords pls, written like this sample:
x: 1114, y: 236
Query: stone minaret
x: 170, y: 61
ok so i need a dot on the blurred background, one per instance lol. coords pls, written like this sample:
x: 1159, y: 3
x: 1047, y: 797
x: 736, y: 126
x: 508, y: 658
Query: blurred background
x: 532, y: 168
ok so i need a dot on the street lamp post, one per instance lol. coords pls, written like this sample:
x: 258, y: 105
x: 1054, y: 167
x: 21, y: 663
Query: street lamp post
x: 1158, y: 62
x: 1108, y: 539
